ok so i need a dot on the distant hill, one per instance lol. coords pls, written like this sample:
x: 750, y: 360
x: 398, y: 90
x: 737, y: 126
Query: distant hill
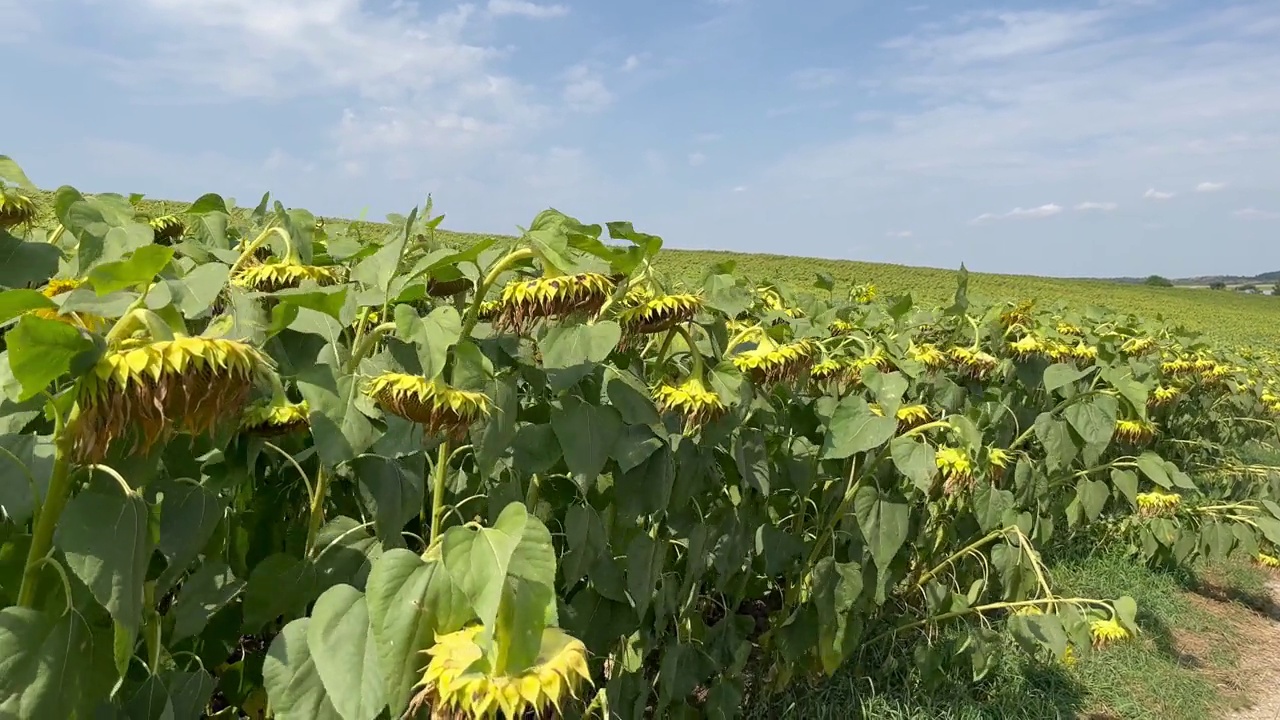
x: 1261, y: 279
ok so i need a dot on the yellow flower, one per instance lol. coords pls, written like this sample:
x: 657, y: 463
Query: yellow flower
x: 1081, y: 351
x: 524, y: 302
x: 269, y: 277
x: 691, y: 400
x: 1135, y: 432
x: 1069, y: 658
x: 910, y: 416
x: 439, y: 408
x: 1106, y: 632
x: 15, y: 209
x: 1019, y: 314
x: 862, y: 294
x: 1066, y: 328
x: 60, y: 286
x: 659, y: 313
x: 149, y: 389
x: 279, y: 417
x: 770, y: 299
x: 976, y: 364
x: 928, y: 355
x: 770, y: 362
x: 1178, y: 366
x: 1138, y: 346
x: 167, y: 228
x: 956, y: 468
x: 1265, y: 560
x: 1027, y: 347
x: 841, y: 327
x: 1163, y: 395
x: 1158, y: 504
x: 998, y: 462
x: 459, y: 681
x: 489, y: 310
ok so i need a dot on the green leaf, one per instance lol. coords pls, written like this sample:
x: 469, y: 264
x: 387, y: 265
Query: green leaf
x: 410, y: 600
x: 1045, y: 631
x: 279, y: 585
x: 585, y: 541
x: 194, y: 292
x: 140, y: 268
x: 837, y: 587
x: 12, y: 173
x: 634, y: 446
x: 1094, y: 418
x: 394, y: 492
x: 1127, y: 613
x: 347, y: 551
x: 1126, y: 481
x: 990, y: 505
x: 189, y: 692
x: 1061, y: 375
x: 916, y: 460
x: 778, y: 548
x: 345, y: 653
x: 46, y: 664
x: 536, y: 449
x: 26, y: 263
x: 477, y: 560
x: 1092, y: 495
x: 433, y: 335
x: 107, y: 540
x: 205, y: 592
x: 24, y: 473
x: 41, y: 351
x: 631, y: 399
x: 341, y: 431
x: 188, y: 516
x: 587, y: 435
x: 522, y: 617
x: 1152, y: 465
x: 854, y: 429
x: 16, y: 302
x: 1055, y: 435
x: 570, y: 345
x: 884, y: 519
x: 645, y: 558
x: 292, y: 681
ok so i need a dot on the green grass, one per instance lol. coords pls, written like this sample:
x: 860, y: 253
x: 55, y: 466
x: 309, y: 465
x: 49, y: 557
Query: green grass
x: 1229, y: 317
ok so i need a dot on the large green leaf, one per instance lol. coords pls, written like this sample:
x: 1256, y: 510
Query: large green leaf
x: 584, y: 542
x: 204, y: 593
x: 645, y: 558
x: 47, y: 664
x: 433, y: 335
x: 26, y: 263
x: 24, y: 473
x: 141, y: 267
x: 1093, y: 418
x: 587, y: 434
x: 42, y: 350
x: 1055, y: 435
x: 884, y: 518
x: 194, y: 292
x: 107, y: 540
x: 570, y: 345
x: 11, y: 172
x: 854, y: 429
x: 836, y: 590
x: 279, y: 585
x: 345, y: 653
x: 914, y: 459
x: 292, y: 681
x: 1152, y: 465
x: 341, y: 430
x: 479, y: 559
x: 1061, y: 375
x: 393, y: 492
x: 189, y: 514
x: 16, y: 302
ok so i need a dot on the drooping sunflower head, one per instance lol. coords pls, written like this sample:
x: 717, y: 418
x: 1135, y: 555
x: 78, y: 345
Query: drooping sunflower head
x: 768, y: 298
x: 459, y: 681
x: 1267, y: 561
x: 998, y: 460
x: 273, y: 276
x: 60, y: 286
x: 1138, y: 346
x: 1084, y: 352
x: 167, y: 228
x: 910, y: 416
x: 829, y: 369
x: 15, y: 209
x: 1107, y: 632
x: 489, y: 310
x: 1019, y: 314
x: 928, y: 355
x: 956, y: 469
x: 1162, y: 396
x: 438, y: 407
x: 863, y: 293
x: 275, y: 417
x: 770, y: 362
x: 659, y: 313
x: 975, y: 364
x: 1158, y: 504
x: 145, y: 390
x: 1135, y: 432
x: 691, y: 400
x: 841, y: 327
x: 524, y: 302
x: 1069, y: 329
x: 1027, y: 347
x: 1177, y: 366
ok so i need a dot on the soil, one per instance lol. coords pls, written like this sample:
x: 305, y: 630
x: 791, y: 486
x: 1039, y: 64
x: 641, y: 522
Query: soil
x: 1253, y: 686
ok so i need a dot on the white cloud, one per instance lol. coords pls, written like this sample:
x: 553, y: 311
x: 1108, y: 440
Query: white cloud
x: 1154, y: 194
x: 1256, y: 214
x: 524, y: 8
x: 816, y: 78
x: 585, y: 90
x: 740, y: 188
x: 1092, y: 205
x: 1208, y: 187
x: 1042, y: 211
x: 989, y: 36
x: 631, y: 63
x: 696, y: 159
x: 899, y: 234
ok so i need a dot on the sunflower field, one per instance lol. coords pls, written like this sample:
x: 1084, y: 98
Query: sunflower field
x: 257, y: 465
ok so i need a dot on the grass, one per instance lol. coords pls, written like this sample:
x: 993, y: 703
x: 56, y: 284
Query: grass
x: 1174, y: 671
x: 1229, y: 317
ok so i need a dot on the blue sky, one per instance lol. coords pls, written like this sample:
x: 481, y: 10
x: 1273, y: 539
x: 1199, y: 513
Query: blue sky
x: 1098, y: 137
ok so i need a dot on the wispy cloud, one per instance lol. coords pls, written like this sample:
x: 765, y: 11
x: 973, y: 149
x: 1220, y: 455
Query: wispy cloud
x: 632, y: 63
x: 1256, y: 214
x: 899, y: 234
x: 585, y: 90
x: 990, y: 36
x: 1042, y: 211
x: 1092, y: 205
x: 1208, y: 187
x: 1154, y: 194
x: 524, y: 8
x: 816, y: 78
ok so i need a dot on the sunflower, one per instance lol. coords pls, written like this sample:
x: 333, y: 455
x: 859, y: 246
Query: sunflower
x: 524, y: 302
x: 1162, y: 396
x: 908, y: 416
x: 770, y: 362
x: 62, y: 286
x: 1138, y: 346
x: 167, y: 228
x: 1066, y: 328
x: 489, y: 310
x: 1106, y: 632
x: 770, y: 299
x: 1177, y: 366
x: 1158, y: 504
x: 998, y: 462
x: 840, y: 327
x: 691, y: 400
x: 15, y: 209
x: 863, y: 294
x: 1267, y: 561
x: 1027, y: 347
x: 928, y: 355
x: 1019, y: 314
x: 876, y: 358
x: 433, y: 404
x: 976, y: 364
x: 659, y: 313
x: 146, y: 390
x: 1135, y: 432
x: 1083, y: 352
x: 275, y: 417
x: 273, y: 276
x: 830, y: 369
x: 460, y: 681
x: 956, y: 468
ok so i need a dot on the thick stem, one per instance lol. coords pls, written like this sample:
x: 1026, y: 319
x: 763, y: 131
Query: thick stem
x: 317, y: 509
x: 152, y: 631
x: 47, y: 519
x: 258, y: 242
x: 695, y: 371
x: 437, y: 492
x: 473, y: 312
x: 366, y: 345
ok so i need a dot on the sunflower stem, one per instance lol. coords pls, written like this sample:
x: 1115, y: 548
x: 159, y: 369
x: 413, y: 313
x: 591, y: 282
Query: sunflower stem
x: 695, y: 357
x: 46, y: 520
x: 317, y: 509
x: 531, y: 498
x: 258, y: 242
x: 56, y: 235
x: 366, y: 345
x: 473, y: 312
x: 437, y: 492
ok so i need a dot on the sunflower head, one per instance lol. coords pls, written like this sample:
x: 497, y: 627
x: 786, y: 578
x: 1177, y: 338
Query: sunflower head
x: 829, y: 369
x: 841, y: 327
x: 1158, y: 504
x: 60, y: 286
x: 1083, y: 352
x: 1027, y: 347
x: 1135, y: 432
x: 928, y: 355
x: 691, y: 400
x: 770, y: 362
x: 1066, y: 328
x: 768, y: 298
x: 15, y: 209
x: 1267, y: 561
x: 1019, y: 314
x: 657, y: 314
x: 975, y: 364
x: 167, y: 228
x: 147, y: 390
x: 1107, y: 632
x: 910, y: 416
x: 1138, y: 346
x: 1162, y: 396
x: 956, y: 469
x: 1177, y: 366
x: 488, y: 310
x: 273, y: 276
x: 524, y: 302
x: 863, y: 294
x: 998, y: 460
x: 275, y: 417
x: 460, y: 681
x: 438, y: 407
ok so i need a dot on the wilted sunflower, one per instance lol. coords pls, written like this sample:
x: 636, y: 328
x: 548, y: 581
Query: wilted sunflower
x: 768, y: 362
x: 275, y: 417
x: 1019, y: 314
x: 62, y: 286
x: 862, y: 294
x: 1162, y: 395
x: 830, y: 369
x: 908, y: 416
x: 1158, y: 504
x: 1106, y: 632
x: 1083, y: 352
x: 1066, y: 328
x: 15, y: 209
x: 1027, y: 347
x: 273, y: 276
x: 524, y: 302
x: 1138, y: 346
x: 489, y: 310
x: 439, y: 408
x: 1135, y: 432
x: 928, y: 355
x: 659, y: 313
x: 459, y: 681
x: 1267, y: 561
x: 691, y: 400
x: 145, y: 390
x: 956, y: 469
x: 167, y: 228
x: 841, y: 327
x: 447, y: 288
x: 976, y: 364
x: 1177, y: 366
x: 770, y: 299
x: 998, y: 462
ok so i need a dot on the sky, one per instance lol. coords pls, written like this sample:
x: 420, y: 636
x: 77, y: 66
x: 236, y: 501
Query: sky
x: 1089, y: 138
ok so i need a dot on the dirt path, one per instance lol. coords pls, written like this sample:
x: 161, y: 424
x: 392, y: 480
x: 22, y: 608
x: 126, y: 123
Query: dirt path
x: 1257, y: 677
